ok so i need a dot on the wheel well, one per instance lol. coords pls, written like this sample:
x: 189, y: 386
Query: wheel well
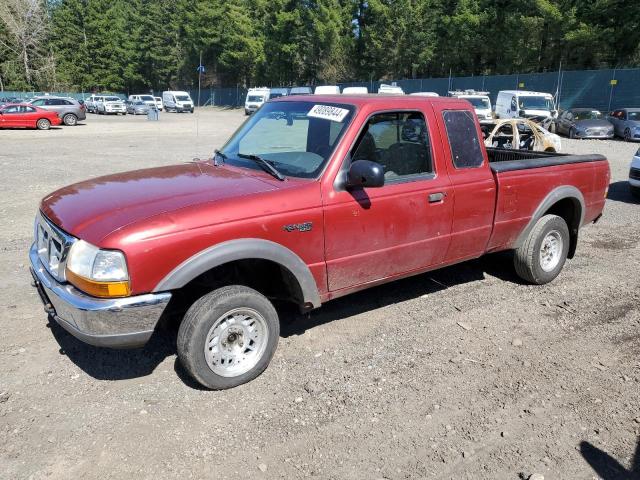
x: 267, y: 277
x: 570, y: 210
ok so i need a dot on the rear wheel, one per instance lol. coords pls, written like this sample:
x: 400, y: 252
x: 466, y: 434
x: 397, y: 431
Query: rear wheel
x: 572, y: 133
x: 228, y: 337
x: 543, y: 253
x: 43, y: 124
x: 627, y: 135
x: 70, y: 120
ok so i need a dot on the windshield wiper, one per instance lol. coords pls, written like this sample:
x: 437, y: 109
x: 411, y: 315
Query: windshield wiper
x: 216, y: 154
x: 265, y: 163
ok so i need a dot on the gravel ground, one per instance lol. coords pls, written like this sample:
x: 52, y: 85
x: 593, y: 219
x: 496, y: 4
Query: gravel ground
x: 460, y: 373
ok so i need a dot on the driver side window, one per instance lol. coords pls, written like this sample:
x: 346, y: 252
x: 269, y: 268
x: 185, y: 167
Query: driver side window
x: 397, y: 141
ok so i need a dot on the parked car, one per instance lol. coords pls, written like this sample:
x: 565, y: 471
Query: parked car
x: 584, y: 123
x: 27, y: 116
x: 520, y: 134
x: 634, y: 175
x: 626, y: 123
x: 255, y: 99
x: 112, y: 104
x: 278, y: 92
x: 390, y: 89
x: 148, y: 99
x: 524, y: 104
x: 355, y: 90
x: 137, y: 107
x: 276, y: 214
x: 159, y: 104
x: 425, y: 94
x: 177, y: 101
x: 300, y: 91
x: 327, y: 90
x: 67, y: 108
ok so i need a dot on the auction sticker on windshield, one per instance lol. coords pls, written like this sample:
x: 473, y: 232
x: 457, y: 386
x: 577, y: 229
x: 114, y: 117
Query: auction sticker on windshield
x: 328, y: 112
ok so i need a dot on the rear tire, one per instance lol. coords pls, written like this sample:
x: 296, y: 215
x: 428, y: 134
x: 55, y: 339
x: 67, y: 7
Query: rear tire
x: 572, y: 133
x: 43, y: 124
x: 627, y: 135
x: 70, y: 120
x: 228, y: 337
x: 543, y: 254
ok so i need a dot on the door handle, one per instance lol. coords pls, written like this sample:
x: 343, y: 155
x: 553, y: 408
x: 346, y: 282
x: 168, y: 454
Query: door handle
x: 436, y: 197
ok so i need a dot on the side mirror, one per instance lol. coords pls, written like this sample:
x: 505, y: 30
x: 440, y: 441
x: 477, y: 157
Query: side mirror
x: 365, y: 174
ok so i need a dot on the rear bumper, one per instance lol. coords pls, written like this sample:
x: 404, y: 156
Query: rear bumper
x: 117, y: 323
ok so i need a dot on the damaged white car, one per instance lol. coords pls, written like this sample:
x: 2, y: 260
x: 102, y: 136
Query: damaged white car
x: 519, y: 134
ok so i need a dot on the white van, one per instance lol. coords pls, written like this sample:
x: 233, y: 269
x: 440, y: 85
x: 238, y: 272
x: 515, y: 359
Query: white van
x: 523, y: 104
x: 327, y: 90
x: 355, y: 90
x: 177, y: 101
x: 479, y: 100
x: 392, y: 89
x: 142, y: 97
x: 255, y: 99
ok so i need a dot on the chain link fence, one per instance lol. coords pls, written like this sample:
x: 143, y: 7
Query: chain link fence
x: 604, y: 90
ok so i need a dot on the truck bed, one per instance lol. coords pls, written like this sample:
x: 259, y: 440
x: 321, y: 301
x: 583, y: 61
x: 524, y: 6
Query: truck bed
x: 503, y: 160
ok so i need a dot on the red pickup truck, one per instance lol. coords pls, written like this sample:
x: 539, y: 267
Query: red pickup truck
x: 313, y: 198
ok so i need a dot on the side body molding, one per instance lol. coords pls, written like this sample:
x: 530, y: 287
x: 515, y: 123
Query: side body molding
x: 557, y: 194
x: 243, y: 249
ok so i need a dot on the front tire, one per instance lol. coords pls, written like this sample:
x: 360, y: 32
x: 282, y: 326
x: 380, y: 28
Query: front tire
x: 635, y: 191
x: 543, y: 254
x: 228, y: 337
x: 572, y: 133
x: 627, y: 135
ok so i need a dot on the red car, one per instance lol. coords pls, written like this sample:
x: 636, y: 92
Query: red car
x: 311, y: 199
x: 20, y: 115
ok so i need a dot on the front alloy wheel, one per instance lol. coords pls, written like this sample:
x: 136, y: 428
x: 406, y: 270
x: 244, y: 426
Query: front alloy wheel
x: 70, y: 120
x: 43, y: 124
x: 228, y: 337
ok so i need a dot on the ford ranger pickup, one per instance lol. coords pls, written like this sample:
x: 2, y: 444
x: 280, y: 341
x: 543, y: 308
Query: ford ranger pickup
x: 310, y: 199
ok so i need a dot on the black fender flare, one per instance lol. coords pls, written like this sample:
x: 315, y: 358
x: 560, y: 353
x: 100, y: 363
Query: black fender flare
x: 553, y: 197
x: 241, y: 249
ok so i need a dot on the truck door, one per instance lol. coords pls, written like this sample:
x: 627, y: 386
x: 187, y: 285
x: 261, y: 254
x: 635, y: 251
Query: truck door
x: 474, y: 189
x: 377, y: 233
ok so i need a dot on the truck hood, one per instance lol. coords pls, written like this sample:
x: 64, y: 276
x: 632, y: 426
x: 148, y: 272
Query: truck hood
x: 93, y: 209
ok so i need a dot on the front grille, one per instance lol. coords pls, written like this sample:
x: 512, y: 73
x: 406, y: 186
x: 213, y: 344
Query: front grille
x: 634, y: 174
x: 53, y: 246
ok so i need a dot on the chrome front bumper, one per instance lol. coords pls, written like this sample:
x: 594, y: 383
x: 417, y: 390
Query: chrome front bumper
x: 105, y: 322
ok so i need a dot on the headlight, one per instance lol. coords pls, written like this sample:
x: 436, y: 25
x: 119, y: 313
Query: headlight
x: 101, y: 273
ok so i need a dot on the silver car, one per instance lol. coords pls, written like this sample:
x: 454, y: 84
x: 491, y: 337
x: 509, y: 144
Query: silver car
x: 137, y: 107
x: 68, y: 109
x: 584, y: 123
x: 626, y: 122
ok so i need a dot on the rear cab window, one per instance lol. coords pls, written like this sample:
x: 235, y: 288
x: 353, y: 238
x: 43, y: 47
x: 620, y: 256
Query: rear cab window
x: 464, y: 142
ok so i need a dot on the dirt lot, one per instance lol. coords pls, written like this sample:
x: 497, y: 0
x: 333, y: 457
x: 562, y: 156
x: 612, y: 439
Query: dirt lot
x: 460, y: 373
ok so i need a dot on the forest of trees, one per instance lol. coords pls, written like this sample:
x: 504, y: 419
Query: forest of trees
x: 125, y: 45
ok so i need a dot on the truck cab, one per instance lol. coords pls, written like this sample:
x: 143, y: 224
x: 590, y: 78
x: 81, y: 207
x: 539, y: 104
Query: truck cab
x: 480, y: 101
x: 524, y: 104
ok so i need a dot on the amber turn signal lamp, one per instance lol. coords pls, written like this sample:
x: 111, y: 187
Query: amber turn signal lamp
x: 99, y: 289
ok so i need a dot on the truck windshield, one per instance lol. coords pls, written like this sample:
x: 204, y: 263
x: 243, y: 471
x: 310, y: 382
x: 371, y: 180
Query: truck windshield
x: 182, y: 98
x: 480, y: 103
x: 536, y: 103
x: 295, y: 137
x: 254, y: 98
x: 147, y: 98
